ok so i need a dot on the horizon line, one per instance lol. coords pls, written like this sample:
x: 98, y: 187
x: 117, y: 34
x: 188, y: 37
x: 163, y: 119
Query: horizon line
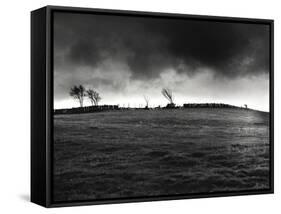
x: 165, y: 107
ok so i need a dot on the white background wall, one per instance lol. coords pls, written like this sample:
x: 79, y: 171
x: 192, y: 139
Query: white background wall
x: 15, y: 107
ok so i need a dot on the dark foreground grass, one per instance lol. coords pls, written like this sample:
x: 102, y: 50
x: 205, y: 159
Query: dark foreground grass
x: 159, y: 152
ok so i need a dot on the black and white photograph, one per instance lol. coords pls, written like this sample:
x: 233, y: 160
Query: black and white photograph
x: 155, y: 106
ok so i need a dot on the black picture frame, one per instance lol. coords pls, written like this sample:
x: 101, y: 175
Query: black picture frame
x: 42, y: 104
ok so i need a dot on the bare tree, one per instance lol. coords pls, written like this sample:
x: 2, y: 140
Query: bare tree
x: 90, y: 94
x: 78, y: 92
x: 146, y: 101
x: 93, y: 96
x: 168, y: 95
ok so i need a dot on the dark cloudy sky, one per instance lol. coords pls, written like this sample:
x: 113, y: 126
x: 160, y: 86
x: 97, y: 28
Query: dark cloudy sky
x: 126, y: 57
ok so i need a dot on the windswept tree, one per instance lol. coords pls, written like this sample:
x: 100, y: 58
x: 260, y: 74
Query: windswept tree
x: 168, y: 95
x: 93, y: 96
x: 146, y: 99
x: 78, y: 93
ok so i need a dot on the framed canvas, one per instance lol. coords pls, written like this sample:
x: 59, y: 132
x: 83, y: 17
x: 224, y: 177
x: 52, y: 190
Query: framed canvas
x: 137, y: 106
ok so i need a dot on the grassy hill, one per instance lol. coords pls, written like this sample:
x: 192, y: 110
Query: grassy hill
x: 117, y: 154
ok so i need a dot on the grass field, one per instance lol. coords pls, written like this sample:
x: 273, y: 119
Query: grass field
x: 159, y: 152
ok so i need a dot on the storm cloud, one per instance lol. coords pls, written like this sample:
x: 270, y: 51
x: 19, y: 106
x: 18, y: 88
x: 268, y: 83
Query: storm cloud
x: 114, y: 52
